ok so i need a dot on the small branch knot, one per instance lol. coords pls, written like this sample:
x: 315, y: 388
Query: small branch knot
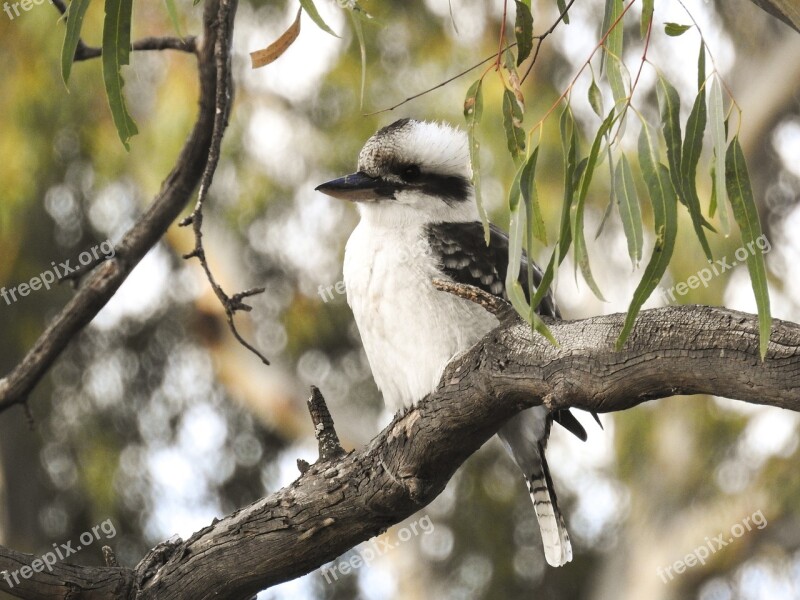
x: 109, y: 557
x: 329, y: 446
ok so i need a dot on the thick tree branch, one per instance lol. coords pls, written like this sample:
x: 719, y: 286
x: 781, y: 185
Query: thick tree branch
x: 336, y: 504
x: 106, y: 278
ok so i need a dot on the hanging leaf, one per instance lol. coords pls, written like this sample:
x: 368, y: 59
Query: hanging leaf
x: 675, y: 30
x: 116, y: 54
x: 665, y: 217
x: 701, y: 66
x: 514, y: 290
x: 629, y: 210
x: 473, y: 110
x: 569, y: 150
x: 311, y: 10
x: 596, y: 99
x: 562, y: 10
x: 647, y: 16
x: 716, y: 116
x: 692, y: 147
x: 669, y: 104
x: 577, y: 209
x: 512, y: 122
x: 745, y: 212
x: 74, y: 16
x: 261, y: 58
x: 362, y: 45
x: 613, y: 43
x: 618, y: 80
x: 530, y: 195
x: 173, y: 16
x: 523, y: 31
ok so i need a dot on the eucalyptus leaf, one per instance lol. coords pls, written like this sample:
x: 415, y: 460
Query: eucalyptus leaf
x: 745, y: 212
x: 116, y: 54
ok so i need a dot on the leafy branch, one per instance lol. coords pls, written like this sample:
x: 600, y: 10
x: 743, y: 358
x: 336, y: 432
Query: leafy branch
x: 668, y: 182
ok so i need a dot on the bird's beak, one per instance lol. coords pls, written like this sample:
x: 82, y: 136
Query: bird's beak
x: 359, y: 187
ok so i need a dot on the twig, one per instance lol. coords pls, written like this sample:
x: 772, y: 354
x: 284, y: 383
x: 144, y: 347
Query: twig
x: 599, y: 45
x: 438, y: 85
x: 84, y: 52
x: 187, y: 44
x: 231, y: 304
x: 493, y: 304
x: 540, y: 38
x: 502, y: 35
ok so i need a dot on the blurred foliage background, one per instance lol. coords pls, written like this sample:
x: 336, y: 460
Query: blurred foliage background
x: 156, y: 419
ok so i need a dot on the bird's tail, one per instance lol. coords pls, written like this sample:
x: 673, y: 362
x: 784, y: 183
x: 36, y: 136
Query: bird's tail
x: 557, y: 549
x: 525, y: 436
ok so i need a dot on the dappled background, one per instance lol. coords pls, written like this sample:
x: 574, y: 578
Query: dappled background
x: 156, y: 419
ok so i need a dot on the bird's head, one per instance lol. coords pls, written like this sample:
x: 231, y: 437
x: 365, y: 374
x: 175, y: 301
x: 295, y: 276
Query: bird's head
x: 411, y: 172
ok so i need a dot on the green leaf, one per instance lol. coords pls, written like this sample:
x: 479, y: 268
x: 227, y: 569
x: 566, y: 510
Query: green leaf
x: 647, y: 16
x: 675, y: 30
x: 716, y: 115
x: 692, y: 147
x: 596, y: 99
x: 173, y: 16
x: 746, y: 214
x: 569, y: 150
x: 562, y: 8
x: 311, y: 11
x: 618, y: 80
x: 514, y: 291
x: 523, y: 30
x: 512, y: 122
x: 665, y: 217
x: 74, y: 16
x: 530, y: 196
x: 116, y: 54
x: 610, y: 203
x: 577, y: 209
x: 629, y: 210
x: 701, y: 66
x: 669, y: 103
x: 613, y: 43
x: 473, y: 111
x: 362, y: 45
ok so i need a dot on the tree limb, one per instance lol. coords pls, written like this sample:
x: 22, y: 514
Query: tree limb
x: 176, y: 191
x: 338, y: 503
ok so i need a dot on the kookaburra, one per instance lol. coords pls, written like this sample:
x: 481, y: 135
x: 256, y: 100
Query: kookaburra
x: 419, y: 222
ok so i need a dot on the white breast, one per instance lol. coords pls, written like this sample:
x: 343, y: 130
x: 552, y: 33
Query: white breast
x: 409, y: 329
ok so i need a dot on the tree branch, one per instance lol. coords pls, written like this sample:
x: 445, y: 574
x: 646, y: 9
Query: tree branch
x: 101, y: 284
x: 339, y: 503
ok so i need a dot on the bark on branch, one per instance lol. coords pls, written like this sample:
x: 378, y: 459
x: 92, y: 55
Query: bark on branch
x: 340, y: 502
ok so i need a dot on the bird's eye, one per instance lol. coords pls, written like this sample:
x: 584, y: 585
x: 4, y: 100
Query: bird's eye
x: 410, y: 173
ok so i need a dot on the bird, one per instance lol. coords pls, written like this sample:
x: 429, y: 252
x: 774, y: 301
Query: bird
x: 419, y: 222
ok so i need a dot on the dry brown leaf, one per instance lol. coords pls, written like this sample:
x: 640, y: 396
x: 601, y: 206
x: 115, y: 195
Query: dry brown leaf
x: 261, y: 58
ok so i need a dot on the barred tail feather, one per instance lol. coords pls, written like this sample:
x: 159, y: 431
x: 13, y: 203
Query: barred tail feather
x: 557, y: 549
x: 525, y: 437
